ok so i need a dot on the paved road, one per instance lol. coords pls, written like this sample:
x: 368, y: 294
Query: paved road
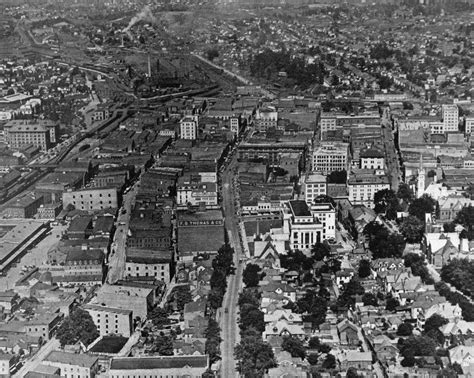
x: 228, y: 320
x: 391, y: 155
x: 117, y: 258
x: 32, y: 363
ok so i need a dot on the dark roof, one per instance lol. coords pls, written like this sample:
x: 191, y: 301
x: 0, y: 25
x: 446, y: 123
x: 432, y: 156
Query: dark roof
x: 371, y: 153
x: 145, y: 256
x: 200, y: 239
x: 300, y: 208
x: 74, y: 359
x: 173, y: 362
x: 80, y: 224
x: 85, y: 255
x: 104, y: 224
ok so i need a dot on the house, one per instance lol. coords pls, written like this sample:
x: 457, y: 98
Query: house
x: 7, y: 363
x: 355, y: 359
x: 285, y: 290
x: 464, y: 356
x: 287, y: 367
x: 194, y: 309
x: 158, y: 366
x: 73, y: 365
x: 348, y: 333
x: 450, y: 206
x: 457, y: 330
x: 283, y: 328
x: 440, y: 247
x: 9, y: 301
x: 110, y: 320
x: 283, y: 314
x: 446, y: 310
x: 385, y: 349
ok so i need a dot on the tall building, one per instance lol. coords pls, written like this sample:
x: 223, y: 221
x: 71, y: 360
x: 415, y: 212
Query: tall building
x: 22, y: 133
x: 469, y: 125
x: 364, y: 183
x: 450, y: 114
x: 191, y: 189
x: 330, y: 157
x: 188, y: 127
x: 91, y: 199
x: 266, y: 118
x: 315, y: 185
x: 109, y: 320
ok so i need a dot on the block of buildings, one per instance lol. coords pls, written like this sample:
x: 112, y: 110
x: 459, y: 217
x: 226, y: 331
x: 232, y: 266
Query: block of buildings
x: 372, y: 158
x: 73, y: 365
x: 265, y: 119
x: 148, y: 263
x: 111, y: 320
x: 190, y: 189
x: 330, y: 157
x: 91, y: 198
x: 22, y: 133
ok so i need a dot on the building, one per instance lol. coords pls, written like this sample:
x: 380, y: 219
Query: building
x: 7, y: 363
x: 363, y: 184
x: 111, y: 320
x: 326, y: 214
x: 199, y: 232
x: 91, y: 199
x: 265, y: 119
x: 159, y: 366
x: 23, y: 206
x: 333, y: 121
x: 330, y: 157
x: 149, y: 263
x: 372, y: 158
x: 188, y: 127
x: 305, y: 230
x: 315, y: 185
x: 450, y: 115
x: 469, y: 126
x: 49, y: 211
x: 191, y: 190
x: 73, y: 365
x: 40, y: 133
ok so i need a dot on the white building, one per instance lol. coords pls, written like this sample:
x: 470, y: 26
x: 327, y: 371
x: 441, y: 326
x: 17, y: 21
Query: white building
x: 110, y: 320
x: 469, y: 125
x: 190, y: 189
x: 315, y: 185
x: 73, y: 365
x: 188, y: 127
x: 148, y: 263
x: 326, y: 213
x: 266, y: 118
x: 364, y: 183
x: 450, y: 114
x: 372, y: 158
x: 330, y: 157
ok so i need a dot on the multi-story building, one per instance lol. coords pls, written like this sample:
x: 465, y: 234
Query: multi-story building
x: 109, y: 320
x: 330, y: 157
x: 148, y: 263
x: 190, y: 189
x: 326, y: 214
x: 91, y: 199
x: 7, y: 362
x: 314, y: 185
x: 24, y: 206
x: 450, y: 115
x: 234, y: 123
x: 333, y: 121
x: 363, y: 184
x: 73, y: 365
x: 469, y: 125
x: 40, y: 133
x: 265, y: 119
x: 372, y: 158
x: 188, y: 127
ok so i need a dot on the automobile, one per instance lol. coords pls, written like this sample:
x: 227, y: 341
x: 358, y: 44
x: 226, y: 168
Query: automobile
x: 122, y: 223
x: 124, y: 211
x: 226, y: 310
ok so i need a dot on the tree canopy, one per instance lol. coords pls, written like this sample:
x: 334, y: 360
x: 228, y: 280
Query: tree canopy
x: 294, y: 346
x: 251, y: 275
x: 460, y: 274
x: 365, y: 269
x: 254, y: 357
x: 382, y: 243
x: 420, y: 206
x: 386, y: 202
x: 412, y: 229
x: 79, y: 326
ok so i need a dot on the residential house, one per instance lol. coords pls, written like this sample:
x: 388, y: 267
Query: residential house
x: 355, y: 359
x: 283, y: 328
x: 348, y: 333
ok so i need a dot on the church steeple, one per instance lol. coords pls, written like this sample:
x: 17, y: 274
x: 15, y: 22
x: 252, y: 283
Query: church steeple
x: 421, y: 178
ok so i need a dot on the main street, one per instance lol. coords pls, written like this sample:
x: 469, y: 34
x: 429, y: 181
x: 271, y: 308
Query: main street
x: 32, y: 363
x: 228, y: 318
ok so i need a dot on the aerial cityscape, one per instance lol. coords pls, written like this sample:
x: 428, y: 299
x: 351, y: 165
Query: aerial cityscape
x: 236, y: 188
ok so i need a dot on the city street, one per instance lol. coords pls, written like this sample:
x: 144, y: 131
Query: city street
x: 31, y: 364
x: 228, y: 319
x: 118, y: 249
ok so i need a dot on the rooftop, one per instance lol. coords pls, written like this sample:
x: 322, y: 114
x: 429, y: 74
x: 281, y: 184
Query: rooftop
x: 162, y: 362
x: 75, y: 359
x: 299, y: 208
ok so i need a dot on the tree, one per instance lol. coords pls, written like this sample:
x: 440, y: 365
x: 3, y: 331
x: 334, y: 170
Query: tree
x: 251, y: 275
x: 365, y: 269
x: 386, y: 202
x: 337, y: 177
x: 296, y: 260
x: 212, y: 53
x: 313, y: 359
x: 412, y: 228
x: 352, y: 373
x: 434, y: 322
x: 392, y: 304
x: 420, y: 206
x: 294, y: 346
x: 465, y: 217
x: 382, y: 243
x: 159, y: 317
x: 315, y: 306
x: 449, y: 227
x: 251, y: 316
x: 460, y: 274
x: 163, y: 345
x: 405, y: 193
x: 417, y: 346
x: 213, y: 340
x: 405, y: 329
x: 182, y: 295
x: 254, y: 357
x: 79, y: 326
x: 408, y: 361
x: 320, y: 251
x: 329, y: 362
x: 369, y: 299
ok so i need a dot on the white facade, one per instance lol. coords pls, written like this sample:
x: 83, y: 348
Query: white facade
x: 265, y: 119
x: 315, y: 185
x: 111, y: 320
x: 450, y: 114
x: 235, y: 125
x: 188, y: 127
x: 330, y: 157
x: 328, y: 123
x: 326, y: 214
x: 469, y: 125
x: 362, y: 187
x: 372, y: 162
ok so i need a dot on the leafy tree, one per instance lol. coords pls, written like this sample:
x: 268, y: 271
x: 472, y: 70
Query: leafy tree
x: 365, y: 269
x: 320, y: 251
x: 412, y: 228
x: 251, y: 317
x: 417, y: 346
x: 465, y: 217
x: 460, y: 274
x: 315, y: 306
x: 434, y: 322
x: 313, y: 359
x: 212, y: 53
x: 420, y: 206
x: 213, y: 340
x: 405, y: 329
x: 159, y: 317
x: 449, y: 227
x: 249, y: 296
x: 163, y: 345
x: 347, y: 297
x: 405, y: 193
x: 369, y: 299
x: 386, y: 202
x: 408, y: 361
x: 251, y: 275
x: 382, y: 243
x: 296, y: 260
x: 329, y: 362
x: 182, y: 295
x: 392, y: 304
x: 418, y: 268
x: 294, y: 346
x: 352, y: 373
x: 254, y: 357
x: 79, y: 326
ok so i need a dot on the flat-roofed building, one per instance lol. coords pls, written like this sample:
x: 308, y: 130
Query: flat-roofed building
x: 23, y: 206
x: 469, y: 126
x: 265, y: 119
x: 146, y: 263
x: 330, y: 157
x: 91, y: 199
x: 364, y: 183
x: 109, y: 320
x: 188, y: 127
x: 314, y: 185
x: 40, y: 133
x: 326, y: 214
x: 305, y: 229
x: 192, y: 190
x: 372, y: 158
x: 73, y: 365
x: 159, y: 366
x: 450, y: 115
